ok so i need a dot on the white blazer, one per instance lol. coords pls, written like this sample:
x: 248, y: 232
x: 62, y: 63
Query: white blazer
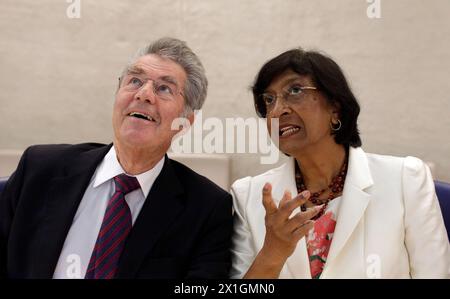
x: 389, y: 223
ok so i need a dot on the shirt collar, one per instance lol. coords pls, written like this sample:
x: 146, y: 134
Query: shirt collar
x: 110, y: 167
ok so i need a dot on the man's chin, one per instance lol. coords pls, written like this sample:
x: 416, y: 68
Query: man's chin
x: 137, y: 140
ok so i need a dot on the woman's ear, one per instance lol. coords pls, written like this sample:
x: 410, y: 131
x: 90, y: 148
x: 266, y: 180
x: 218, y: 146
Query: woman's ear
x: 335, y: 110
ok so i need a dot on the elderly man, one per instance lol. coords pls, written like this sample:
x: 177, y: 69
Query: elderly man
x: 123, y: 210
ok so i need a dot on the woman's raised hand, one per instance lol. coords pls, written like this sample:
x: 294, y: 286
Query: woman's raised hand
x: 283, y: 231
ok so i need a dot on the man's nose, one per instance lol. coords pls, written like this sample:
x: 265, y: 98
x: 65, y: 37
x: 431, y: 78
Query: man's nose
x: 146, y: 93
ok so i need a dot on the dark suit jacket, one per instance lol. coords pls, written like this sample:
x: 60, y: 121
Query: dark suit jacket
x: 182, y: 231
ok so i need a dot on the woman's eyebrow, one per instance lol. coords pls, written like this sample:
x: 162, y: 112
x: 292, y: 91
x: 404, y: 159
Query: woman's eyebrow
x: 292, y: 80
x: 285, y: 82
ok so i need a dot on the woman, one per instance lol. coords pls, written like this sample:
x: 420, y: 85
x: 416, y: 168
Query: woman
x: 332, y: 211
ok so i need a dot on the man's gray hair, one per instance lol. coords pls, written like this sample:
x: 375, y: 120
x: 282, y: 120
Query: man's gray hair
x: 176, y: 50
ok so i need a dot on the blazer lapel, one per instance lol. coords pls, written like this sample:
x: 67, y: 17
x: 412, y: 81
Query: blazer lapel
x: 162, y: 206
x: 62, y: 199
x: 297, y: 265
x: 355, y: 198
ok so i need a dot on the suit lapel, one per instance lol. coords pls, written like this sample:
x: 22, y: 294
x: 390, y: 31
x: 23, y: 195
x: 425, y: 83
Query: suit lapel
x: 355, y: 198
x: 162, y: 206
x: 62, y: 199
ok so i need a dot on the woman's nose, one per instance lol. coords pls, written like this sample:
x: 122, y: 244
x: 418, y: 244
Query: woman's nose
x: 281, y: 107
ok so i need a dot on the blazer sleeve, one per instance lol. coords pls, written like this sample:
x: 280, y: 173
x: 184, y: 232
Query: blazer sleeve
x: 212, y: 257
x: 242, y: 251
x: 8, y: 203
x: 425, y: 235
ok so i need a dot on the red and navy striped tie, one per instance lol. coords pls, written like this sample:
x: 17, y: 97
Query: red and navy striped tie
x: 113, y: 233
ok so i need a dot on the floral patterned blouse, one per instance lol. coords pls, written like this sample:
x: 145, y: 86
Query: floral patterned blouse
x: 318, y: 241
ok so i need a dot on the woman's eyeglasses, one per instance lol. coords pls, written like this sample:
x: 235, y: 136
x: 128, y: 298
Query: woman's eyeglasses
x: 291, y: 94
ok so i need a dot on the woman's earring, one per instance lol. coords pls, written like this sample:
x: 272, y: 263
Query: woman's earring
x: 334, y: 127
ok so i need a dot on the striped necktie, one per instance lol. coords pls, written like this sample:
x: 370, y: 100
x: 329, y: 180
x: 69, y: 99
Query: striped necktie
x: 113, y: 233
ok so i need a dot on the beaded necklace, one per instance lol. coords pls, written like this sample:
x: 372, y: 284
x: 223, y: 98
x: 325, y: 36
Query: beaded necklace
x: 336, y: 186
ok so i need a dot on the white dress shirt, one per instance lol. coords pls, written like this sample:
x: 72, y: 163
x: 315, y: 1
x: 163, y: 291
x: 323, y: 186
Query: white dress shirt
x: 80, y: 241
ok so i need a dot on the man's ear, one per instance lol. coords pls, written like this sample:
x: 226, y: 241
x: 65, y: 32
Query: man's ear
x: 118, y: 83
x: 191, y: 117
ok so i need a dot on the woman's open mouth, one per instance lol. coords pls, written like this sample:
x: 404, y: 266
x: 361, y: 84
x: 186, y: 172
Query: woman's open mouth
x: 289, y: 130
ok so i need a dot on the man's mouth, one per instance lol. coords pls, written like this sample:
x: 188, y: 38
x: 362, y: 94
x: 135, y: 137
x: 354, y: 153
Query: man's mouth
x: 289, y: 130
x: 141, y: 116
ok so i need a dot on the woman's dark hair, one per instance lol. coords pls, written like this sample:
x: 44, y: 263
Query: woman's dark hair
x: 328, y: 78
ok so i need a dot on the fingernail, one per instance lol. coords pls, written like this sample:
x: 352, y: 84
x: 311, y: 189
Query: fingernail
x: 266, y: 187
x: 305, y: 193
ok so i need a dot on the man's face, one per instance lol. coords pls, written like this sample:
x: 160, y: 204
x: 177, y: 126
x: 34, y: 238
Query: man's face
x: 149, y: 98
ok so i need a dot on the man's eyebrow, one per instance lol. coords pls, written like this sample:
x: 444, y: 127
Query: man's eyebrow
x: 135, y: 70
x: 169, y: 79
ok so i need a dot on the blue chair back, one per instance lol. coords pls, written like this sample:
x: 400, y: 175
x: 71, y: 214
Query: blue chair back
x: 443, y: 194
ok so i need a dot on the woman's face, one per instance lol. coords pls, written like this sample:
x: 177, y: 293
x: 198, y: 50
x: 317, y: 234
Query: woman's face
x: 304, y: 114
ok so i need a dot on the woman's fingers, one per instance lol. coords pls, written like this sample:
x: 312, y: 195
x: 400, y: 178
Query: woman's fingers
x: 303, y: 230
x: 287, y: 196
x: 280, y: 216
x: 268, y: 202
x: 294, y: 203
x: 302, y: 217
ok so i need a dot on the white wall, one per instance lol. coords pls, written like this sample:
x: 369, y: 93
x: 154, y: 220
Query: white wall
x: 58, y: 75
